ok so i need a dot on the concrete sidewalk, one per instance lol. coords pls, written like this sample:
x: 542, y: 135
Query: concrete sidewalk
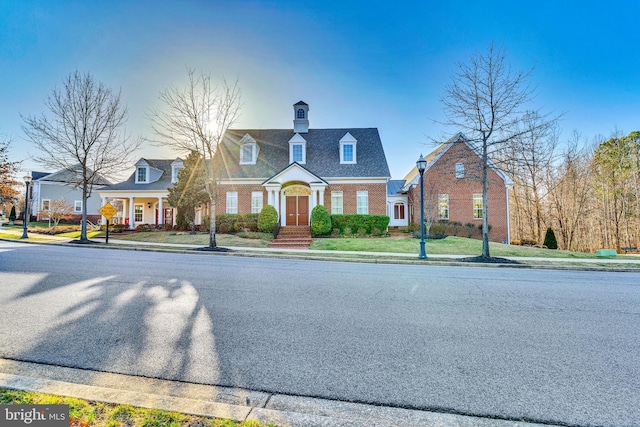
x: 223, y: 402
x: 622, y: 259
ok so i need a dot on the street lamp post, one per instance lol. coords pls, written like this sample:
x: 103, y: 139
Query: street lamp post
x: 25, y: 218
x: 422, y: 165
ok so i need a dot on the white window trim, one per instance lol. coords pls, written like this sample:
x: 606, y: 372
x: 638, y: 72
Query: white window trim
x: 348, y: 139
x: 141, y: 212
x: 359, y: 195
x: 146, y: 174
x: 77, y: 203
x: 254, y: 206
x: 441, y: 198
x: 174, y: 174
x: 334, y: 210
x: 304, y: 152
x: 477, y: 196
x: 42, y: 202
x: 459, y: 170
x: 254, y: 154
x: 342, y: 160
x: 232, y: 195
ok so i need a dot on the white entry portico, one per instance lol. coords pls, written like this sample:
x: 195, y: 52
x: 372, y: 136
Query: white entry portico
x: 290, y: 190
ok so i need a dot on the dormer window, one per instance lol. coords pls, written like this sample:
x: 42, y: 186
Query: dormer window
x: 141, y: 174
x: 176, y: 166
x: 297, y: 149
x: 348, y: 149
x: 300, y: 114
x: 248, y: 150
x: 248, y: 154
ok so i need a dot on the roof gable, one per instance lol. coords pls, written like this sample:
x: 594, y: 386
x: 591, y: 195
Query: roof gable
x: 294, y: 172
x: 413, y: 176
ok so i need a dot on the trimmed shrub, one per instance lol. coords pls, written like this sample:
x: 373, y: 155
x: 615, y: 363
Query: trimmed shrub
x: 469, y: 226
x: 267, y: 219
x: 550, y: 239
x: 356, y: 222
x: 320, y: 221
x: 455, y: 227
x: 12, y: 215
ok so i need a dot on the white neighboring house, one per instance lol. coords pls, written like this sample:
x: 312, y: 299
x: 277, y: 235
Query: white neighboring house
x: 397, y: 203
x: 142, y: 199
x: 46, y: 187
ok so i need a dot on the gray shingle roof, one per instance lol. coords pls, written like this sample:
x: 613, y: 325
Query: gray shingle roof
x: 322, y: 157
x: 161, y: 184
x: 394, y: 186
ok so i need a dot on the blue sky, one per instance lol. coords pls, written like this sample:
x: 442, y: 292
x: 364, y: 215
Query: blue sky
x: 356, y: 63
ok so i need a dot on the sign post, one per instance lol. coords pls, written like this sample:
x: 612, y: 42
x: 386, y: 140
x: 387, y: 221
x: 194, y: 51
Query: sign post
x: 107, y: 211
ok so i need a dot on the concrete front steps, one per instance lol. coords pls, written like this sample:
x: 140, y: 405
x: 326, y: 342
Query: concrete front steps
x: 292, y: 237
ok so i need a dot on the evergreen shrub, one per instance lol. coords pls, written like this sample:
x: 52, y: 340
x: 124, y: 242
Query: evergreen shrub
x: 320, y: 221
x: 550, y: 239
x: 267, y: 219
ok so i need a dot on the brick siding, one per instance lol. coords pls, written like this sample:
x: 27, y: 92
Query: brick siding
x: 441, y: 179
x: 377, y: 197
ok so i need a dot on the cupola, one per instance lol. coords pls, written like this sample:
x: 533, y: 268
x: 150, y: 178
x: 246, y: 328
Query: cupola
x: 301, y: 117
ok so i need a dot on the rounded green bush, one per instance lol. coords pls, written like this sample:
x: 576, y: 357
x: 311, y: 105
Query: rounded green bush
x: 320, y: 221
x: 267, y: 219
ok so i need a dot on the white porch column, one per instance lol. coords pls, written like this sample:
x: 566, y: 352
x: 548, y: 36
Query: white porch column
x: 160, y: 211
x: 270, y: 196
x: 276, y: 201
x: 314, y: 201
x: 131, y: 214
x: 321, y: 201
x: 283, y: 209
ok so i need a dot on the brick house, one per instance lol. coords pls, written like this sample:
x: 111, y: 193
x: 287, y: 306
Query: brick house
x: 453, y: 190
x: 296, y: 169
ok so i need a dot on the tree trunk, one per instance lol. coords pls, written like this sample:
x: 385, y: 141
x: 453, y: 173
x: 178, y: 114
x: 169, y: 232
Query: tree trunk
x: 83, y: 224
x: 485, y: 202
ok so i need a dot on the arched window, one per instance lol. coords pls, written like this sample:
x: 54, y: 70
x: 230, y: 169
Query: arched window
x: 300, y: 113
x: 398, y: 210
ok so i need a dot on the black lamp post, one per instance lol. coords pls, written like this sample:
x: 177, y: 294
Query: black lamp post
x: 422, y: 165
x: 25, y: 218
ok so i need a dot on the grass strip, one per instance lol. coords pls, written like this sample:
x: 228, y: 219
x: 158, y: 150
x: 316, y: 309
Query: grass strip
x: 86, y: 413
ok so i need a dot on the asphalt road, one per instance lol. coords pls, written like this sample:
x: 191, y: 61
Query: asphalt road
x: 548, y: 346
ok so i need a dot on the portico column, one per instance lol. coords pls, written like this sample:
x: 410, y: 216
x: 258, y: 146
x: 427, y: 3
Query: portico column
x: 270, y: 197
x: 321, y: 202
x: 131, y: 214
x: 276, y: 201
x: 160, y: 211
x: 314, y: 203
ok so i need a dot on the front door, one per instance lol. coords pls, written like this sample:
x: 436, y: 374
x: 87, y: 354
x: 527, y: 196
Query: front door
x: 297, y: 210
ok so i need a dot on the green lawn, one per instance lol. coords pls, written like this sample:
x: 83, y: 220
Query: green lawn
x: 450, y: 245
x: 98, y: 414
x: 194, y: 239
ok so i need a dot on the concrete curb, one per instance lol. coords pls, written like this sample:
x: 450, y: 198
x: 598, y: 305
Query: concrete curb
x: 371, y: 259
x: 223, y: 402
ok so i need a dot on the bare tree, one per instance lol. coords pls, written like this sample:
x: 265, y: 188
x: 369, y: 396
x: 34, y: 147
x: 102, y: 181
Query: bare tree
x: 531, y: 155
x: 59, y: 209
x: 484, y: 100
x: 571, y: 194
x: 195, y: 118
x: 82, y: 134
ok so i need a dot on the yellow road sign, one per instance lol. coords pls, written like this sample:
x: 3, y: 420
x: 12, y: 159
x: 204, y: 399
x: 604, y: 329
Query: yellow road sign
x: 108, y: 210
